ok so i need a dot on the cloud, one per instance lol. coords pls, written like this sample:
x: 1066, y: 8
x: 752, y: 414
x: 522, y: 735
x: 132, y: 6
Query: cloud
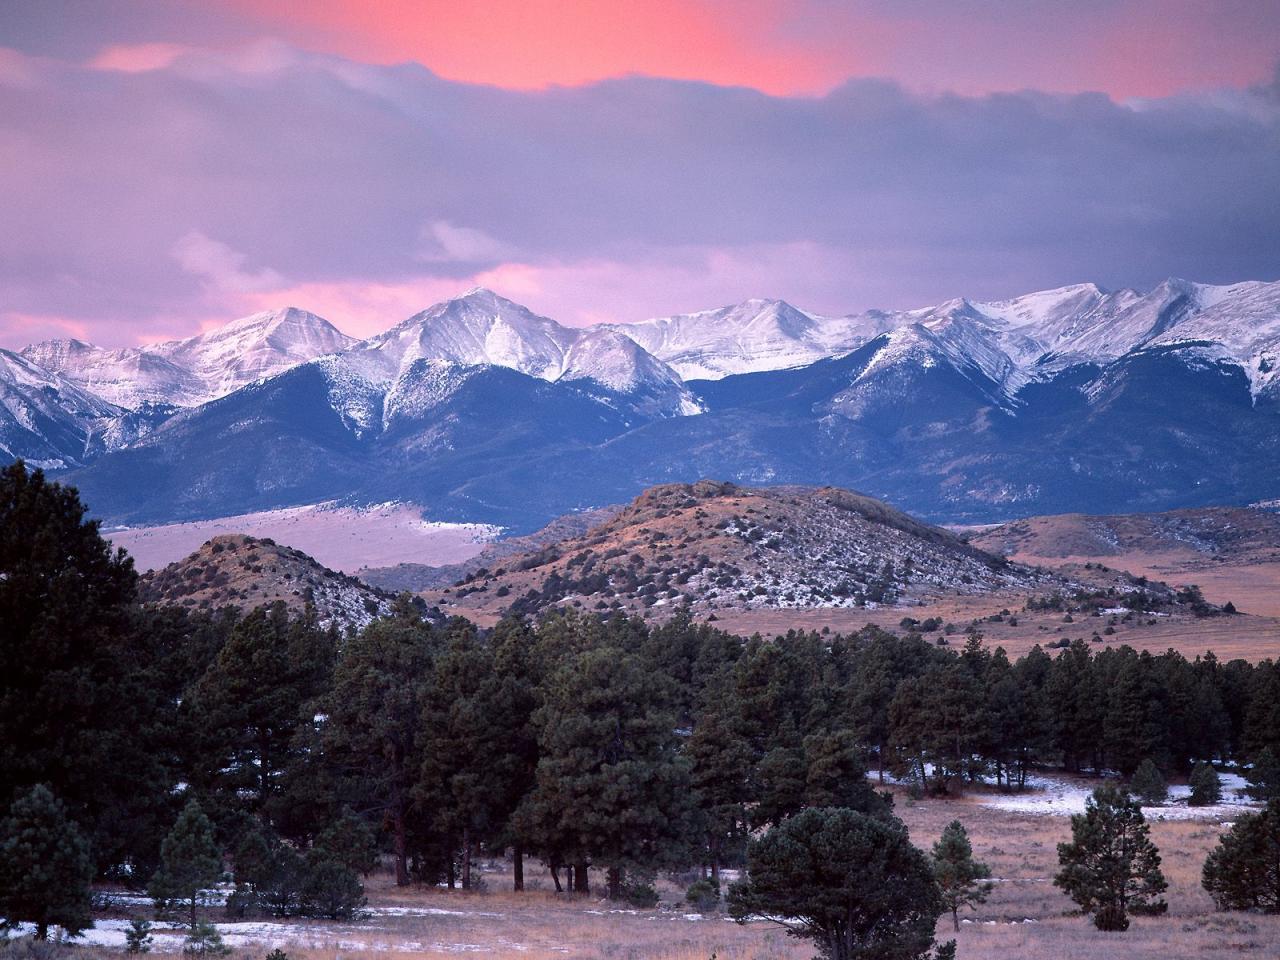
x: 137, y: 57
x: 220, y: 266
x: 289, y: 174
x: 444, y: 242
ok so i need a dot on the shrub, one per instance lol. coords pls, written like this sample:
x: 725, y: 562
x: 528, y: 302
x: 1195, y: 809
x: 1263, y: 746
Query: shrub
x: 138, y: 939
x: 205, y: 941
x: 641, y: 894
x: 703, y: 895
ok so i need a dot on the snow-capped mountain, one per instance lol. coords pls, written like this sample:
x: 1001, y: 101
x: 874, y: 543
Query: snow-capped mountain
x: 1075, y: 398
x: 1011, y: 343
x: 198, y: 369
x: 481, y: 328
x: 44, y: 418
x: 749, y: 337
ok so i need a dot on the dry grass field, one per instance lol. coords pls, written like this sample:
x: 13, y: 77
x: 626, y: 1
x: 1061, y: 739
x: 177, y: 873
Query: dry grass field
x: 1246, y: 636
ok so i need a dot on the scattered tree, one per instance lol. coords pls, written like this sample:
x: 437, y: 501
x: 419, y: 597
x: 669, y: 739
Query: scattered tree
x: 851, y: 883
x: 1111, y: 868
x: 189, y: 862
x: 1148, y: 784
x: 1206, y: 788
x: 1243, y: 871
x: 959, y: 876
x: 1264, y: 776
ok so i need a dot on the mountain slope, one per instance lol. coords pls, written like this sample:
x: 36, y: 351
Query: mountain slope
x: 44, y: 418
x: 748, y: 337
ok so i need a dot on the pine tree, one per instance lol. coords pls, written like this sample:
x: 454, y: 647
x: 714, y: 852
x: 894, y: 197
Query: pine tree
x: 611, y: 787
x: 73, y: 712
x: 852, y: 884
x: 45, y: 868
x: 1243, y: 871
x: 373, y: 721
x: 1148, y: 784
x: 1206, y: 788
x: 250, y: 704
x: 835, y: 775
x: 1264, y: 776
x: 474, y: 745
x: 1111, y: 868
x: 959, y: 876
x: 720, y: 765
x: 189, y: 861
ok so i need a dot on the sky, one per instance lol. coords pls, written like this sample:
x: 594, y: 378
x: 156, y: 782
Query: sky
x: 167, y: 167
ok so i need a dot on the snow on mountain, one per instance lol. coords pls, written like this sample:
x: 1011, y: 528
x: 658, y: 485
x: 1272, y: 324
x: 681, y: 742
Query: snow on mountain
x: 44, y: 418
x: 749, y: 337
x: 1035, y: 336
x: 198, y: 369
x: 481, y: 328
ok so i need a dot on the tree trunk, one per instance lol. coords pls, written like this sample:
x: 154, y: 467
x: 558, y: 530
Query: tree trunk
x: 955, y: 918
x: 517, y: 860
x: 42, y: 931
x: 401, y: 847
x: 466, y: 858
x: 581, y: 882
x: 615, y: 883
x: 555, y: 876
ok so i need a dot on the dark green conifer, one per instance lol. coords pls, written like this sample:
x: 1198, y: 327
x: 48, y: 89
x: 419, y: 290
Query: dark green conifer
x: 960, y: 877
x: 1111, y: 868
x: 45, y: 868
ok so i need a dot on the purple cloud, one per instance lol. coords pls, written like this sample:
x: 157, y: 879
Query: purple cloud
x: 144, y: 203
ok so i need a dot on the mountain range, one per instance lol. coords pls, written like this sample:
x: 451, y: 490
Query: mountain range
x: 1073, y: 399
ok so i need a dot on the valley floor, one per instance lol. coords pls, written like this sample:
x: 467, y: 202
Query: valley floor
x: 341, y: 538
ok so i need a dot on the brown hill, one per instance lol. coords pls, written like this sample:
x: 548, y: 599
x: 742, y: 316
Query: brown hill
x: 717, y: 546
x: 1231, y: 553
x: 1207, y: 535
x: 243, y: 571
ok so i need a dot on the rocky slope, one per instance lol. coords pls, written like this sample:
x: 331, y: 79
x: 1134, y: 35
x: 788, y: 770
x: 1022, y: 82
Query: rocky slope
x: 245, y: 572
x: 719, y: 546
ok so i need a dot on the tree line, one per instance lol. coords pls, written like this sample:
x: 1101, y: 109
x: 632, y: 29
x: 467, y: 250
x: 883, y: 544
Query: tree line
x: 589, y: 743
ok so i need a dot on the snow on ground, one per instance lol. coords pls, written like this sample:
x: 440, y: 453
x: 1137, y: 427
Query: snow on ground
x: 1063, y: 796
x: 341, y: 538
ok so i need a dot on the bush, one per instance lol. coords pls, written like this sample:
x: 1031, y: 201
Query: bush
x: 703, y: 895
x: 641, y: 894
x: 331, y: 890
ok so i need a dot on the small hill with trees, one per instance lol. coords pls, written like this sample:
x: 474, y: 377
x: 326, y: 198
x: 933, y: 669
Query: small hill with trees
x: 246, y: 572
x: 716, y: 545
